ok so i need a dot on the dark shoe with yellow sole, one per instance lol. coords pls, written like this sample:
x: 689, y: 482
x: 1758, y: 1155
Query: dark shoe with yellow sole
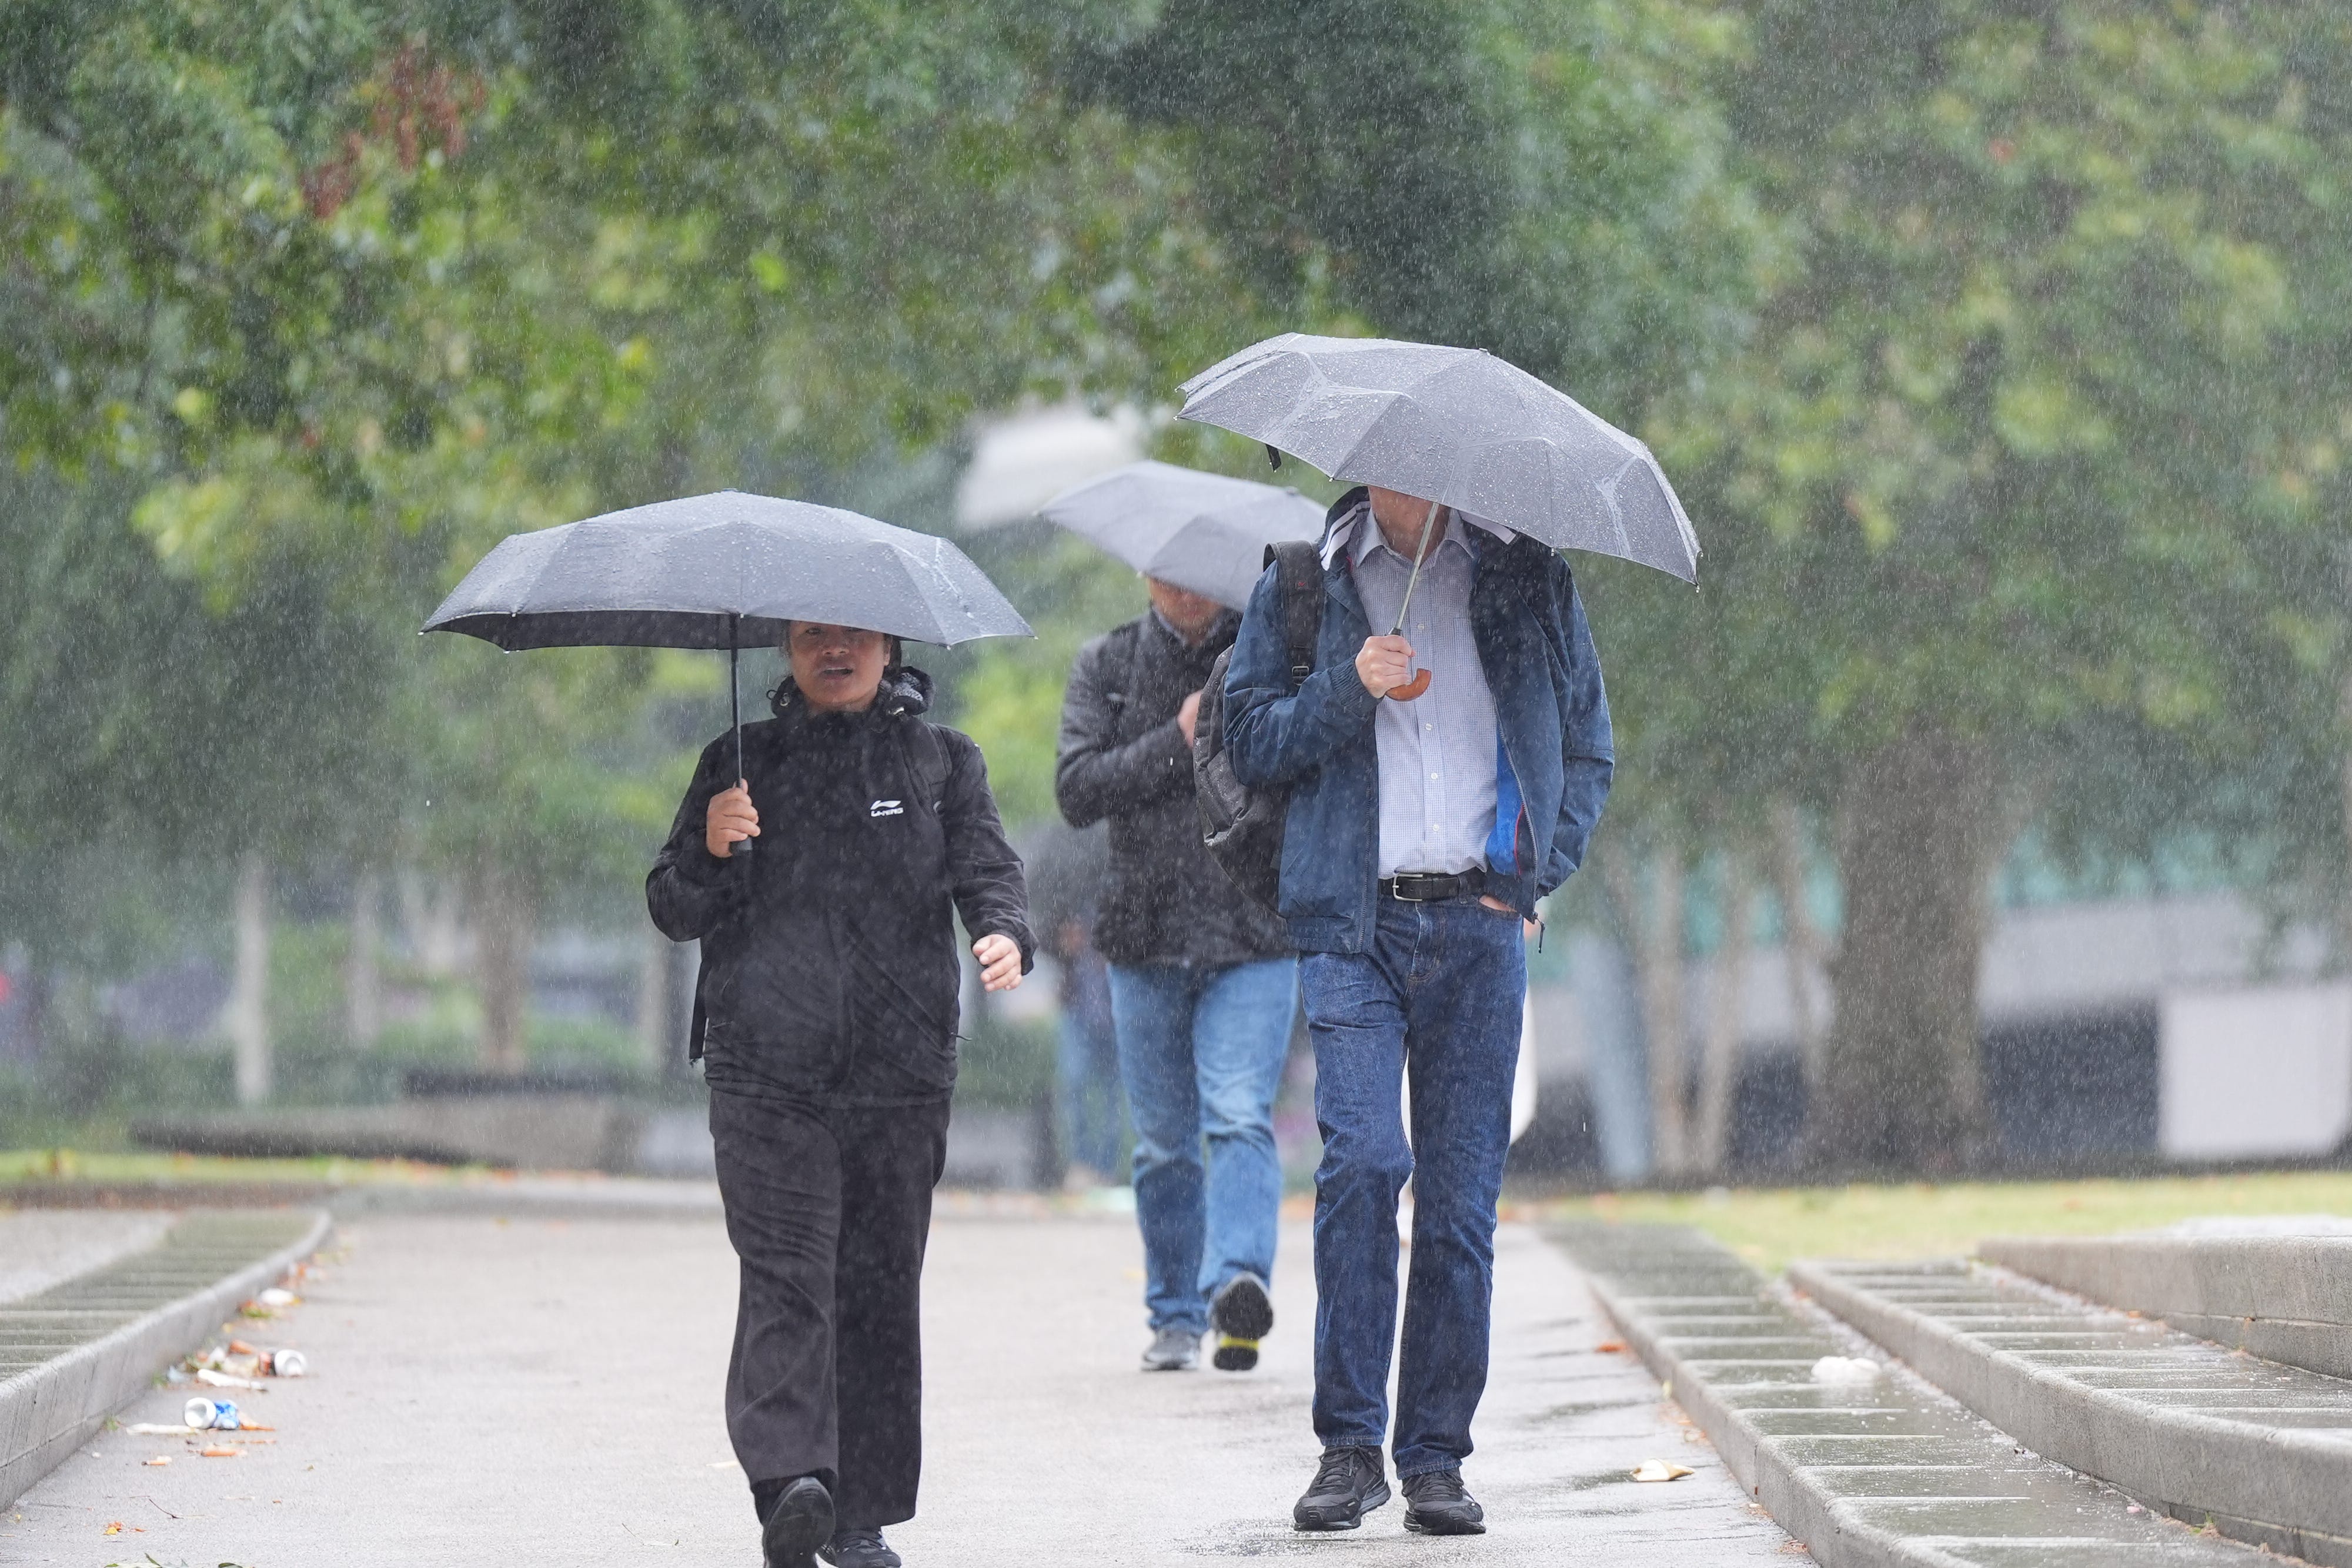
x: 1241, y: 1312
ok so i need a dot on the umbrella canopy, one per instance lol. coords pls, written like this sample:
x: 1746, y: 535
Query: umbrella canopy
x: 1457, y: 427
x: 1204, y: 532
x: 724, y: 570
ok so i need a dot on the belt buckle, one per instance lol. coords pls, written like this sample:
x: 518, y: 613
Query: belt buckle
x: 1397, y: 891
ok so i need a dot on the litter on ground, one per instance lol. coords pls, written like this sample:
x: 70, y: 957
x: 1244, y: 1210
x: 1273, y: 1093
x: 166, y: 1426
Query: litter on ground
x: 1845, y: 1369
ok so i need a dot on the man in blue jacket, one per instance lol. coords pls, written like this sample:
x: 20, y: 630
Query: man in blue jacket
x: 1419, y: 835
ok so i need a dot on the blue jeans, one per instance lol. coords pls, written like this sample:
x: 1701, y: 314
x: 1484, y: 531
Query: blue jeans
x: 1437, y: 1000
x: 1088, y: 1074
x: 1201, y: 1052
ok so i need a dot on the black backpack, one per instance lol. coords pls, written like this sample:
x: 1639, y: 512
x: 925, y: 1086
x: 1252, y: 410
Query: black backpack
x: 1242, y: 827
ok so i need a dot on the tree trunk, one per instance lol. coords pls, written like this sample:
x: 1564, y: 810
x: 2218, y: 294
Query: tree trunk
x: 1719, y: 1062
x: 685, y: 968
x: 1656, y: 928
x: 654, y: 1007
x: 506, y: 921
x: 364, y: 969
x: 428, y: 911
x: 248, y: 1004
x: 1801, y: 945
x: 2346, y: 712
x: 1916, y: 841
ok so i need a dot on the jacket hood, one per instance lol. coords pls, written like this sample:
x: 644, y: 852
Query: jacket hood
x: 905, y: 693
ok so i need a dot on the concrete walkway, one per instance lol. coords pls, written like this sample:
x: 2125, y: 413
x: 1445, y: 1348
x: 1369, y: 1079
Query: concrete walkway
x: 547, y: 1392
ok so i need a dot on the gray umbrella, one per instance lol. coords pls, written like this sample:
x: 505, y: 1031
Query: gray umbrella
x: 1456, y: 426
x: 1204, y: 532
x: 726, y: 571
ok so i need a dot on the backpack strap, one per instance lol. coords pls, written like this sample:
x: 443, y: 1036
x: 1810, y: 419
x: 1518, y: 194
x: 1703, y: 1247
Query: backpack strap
x: 1300, y: 568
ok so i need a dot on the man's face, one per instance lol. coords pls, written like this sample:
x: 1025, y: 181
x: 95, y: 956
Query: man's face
x: 1400, y: 518
x: 838, y: 668
x: 1190, y: 613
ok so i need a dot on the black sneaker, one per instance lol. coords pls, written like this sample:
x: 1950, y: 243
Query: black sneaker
x: 1348, y: 1484
x: 1435, y: 1504
x: 1174, y: 1349
x: 860, y: 1548
x: 1242, y: 1314
x: 801, y: 1522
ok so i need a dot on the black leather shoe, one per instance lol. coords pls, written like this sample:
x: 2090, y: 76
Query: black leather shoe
x: 1242, y: 1314
x: 802, y: 1523
x: 1348, y: 1484
x: 1435, y: 1504
x: 861, y: 1549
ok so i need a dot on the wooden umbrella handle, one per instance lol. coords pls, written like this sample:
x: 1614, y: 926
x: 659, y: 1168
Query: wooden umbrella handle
x: 1420, y: 683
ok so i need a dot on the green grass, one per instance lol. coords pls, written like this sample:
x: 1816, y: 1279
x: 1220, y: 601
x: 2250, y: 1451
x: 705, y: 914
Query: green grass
x: 108, y: 1167
x: 1769, y: 1227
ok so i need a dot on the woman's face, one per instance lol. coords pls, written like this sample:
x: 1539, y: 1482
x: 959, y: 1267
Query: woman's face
x: 838, y: 668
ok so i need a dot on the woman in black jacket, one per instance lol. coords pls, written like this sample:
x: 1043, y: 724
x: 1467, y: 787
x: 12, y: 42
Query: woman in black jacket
x: 826, y: 1016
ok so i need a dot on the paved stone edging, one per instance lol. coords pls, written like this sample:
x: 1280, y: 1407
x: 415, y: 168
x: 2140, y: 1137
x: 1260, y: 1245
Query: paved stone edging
x: 2260, y: 1450
x: 76, y: 1353
x: 1874, y: 1477
x: 2283, y: 1298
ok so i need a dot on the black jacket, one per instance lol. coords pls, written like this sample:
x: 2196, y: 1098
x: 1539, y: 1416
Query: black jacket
x: 832, y: 972
x: 1123, y: 758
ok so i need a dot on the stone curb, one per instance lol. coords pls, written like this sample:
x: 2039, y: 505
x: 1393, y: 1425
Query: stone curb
x: 2260, y: 1451
x: 1887, y: 1477
x: 2283, y: 1298
x: 49, y: 1410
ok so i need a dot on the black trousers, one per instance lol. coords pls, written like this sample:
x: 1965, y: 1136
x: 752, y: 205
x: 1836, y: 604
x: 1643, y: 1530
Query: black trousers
x: 828, y: 1210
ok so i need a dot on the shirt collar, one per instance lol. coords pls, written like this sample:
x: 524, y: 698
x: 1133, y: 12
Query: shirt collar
x: 1208, y: 638
x: 1355, y: 533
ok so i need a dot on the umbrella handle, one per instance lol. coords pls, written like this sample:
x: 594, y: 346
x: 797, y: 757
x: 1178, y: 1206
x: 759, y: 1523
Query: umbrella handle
x: 1420, y: 683
x: 740, y: 850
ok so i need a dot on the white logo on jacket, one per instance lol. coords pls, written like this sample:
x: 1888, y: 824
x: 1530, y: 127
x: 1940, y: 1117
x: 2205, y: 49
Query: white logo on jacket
x: 886, y: 809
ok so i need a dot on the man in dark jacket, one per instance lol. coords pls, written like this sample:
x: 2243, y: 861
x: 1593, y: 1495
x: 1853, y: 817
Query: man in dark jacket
x: 1420, y: 833
x: 1202, y: 982
x: 826, y: 1017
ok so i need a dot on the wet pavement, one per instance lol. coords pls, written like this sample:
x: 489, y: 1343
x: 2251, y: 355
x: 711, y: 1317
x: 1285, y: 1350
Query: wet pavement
x: 548, y: 1391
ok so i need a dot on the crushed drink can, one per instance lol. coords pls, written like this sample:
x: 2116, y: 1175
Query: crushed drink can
x: 285, y: 1364
x: 211, y: 1414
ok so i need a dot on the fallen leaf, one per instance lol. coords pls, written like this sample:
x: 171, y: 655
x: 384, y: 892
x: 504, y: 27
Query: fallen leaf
x: 1660, y: 1470
x: 1611, y: 1347
x: 115, y: 1529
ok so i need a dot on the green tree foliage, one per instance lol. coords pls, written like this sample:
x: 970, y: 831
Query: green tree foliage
x: 2012, y: 446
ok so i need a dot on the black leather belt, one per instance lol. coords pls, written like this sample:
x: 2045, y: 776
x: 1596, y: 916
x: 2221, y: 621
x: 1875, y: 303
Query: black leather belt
x: 1434, y: 886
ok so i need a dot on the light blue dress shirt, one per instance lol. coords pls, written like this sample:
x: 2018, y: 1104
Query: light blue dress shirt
x: 1438, y: 752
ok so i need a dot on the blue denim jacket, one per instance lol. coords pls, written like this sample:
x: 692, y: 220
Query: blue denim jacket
x: 1555, y: 759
